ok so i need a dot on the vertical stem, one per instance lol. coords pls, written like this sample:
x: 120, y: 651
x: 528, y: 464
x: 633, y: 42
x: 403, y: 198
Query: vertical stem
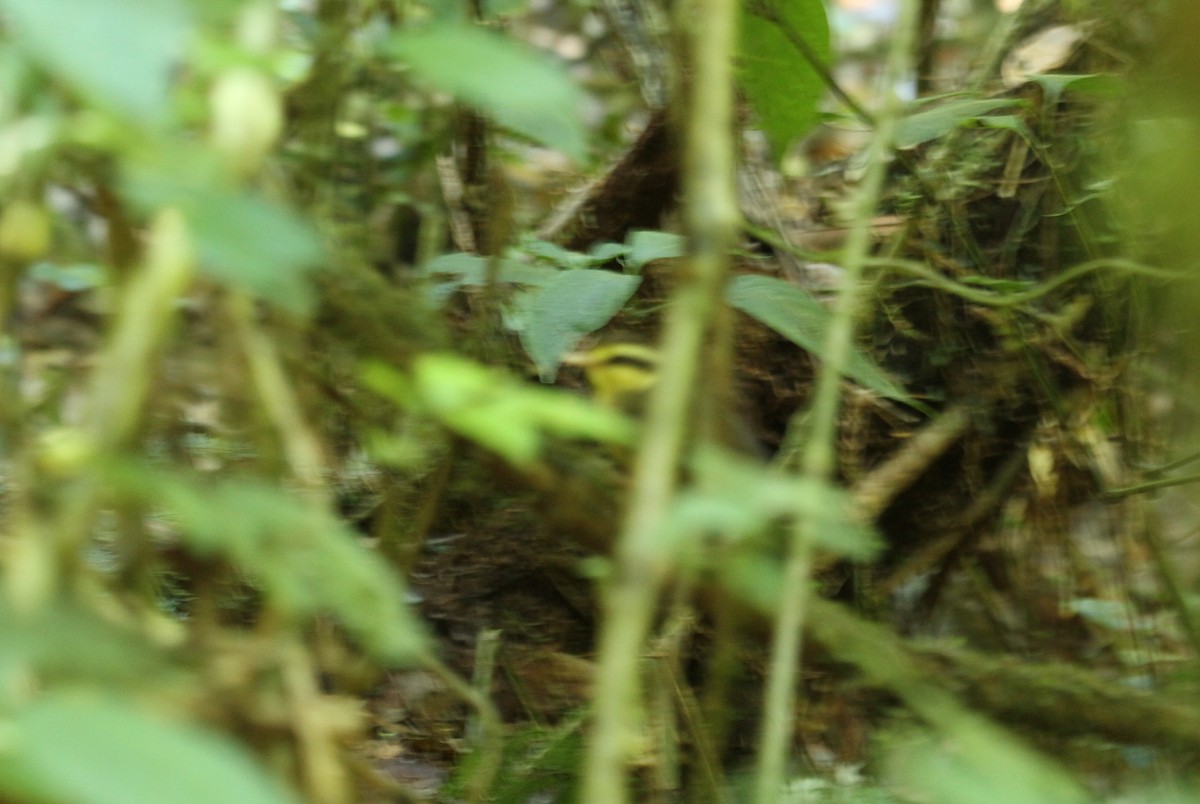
x: 642, y: 562
x: 120, y: 384
x: 301, y: 446
x: 819, y: 455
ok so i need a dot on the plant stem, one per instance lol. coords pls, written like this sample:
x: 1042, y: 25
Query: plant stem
x: 119, y: 388
x: 300, y: 444
x: 642, y: 560
x: 819, y: 455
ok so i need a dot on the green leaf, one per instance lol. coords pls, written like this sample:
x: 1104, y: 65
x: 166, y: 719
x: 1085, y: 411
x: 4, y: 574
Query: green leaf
x: 521, y: 89
x: 755, y: 577
x: 1008, y: 122
x: 930, y: 124
x: 1094, y: 85
x: 496, y: 411
x: 558, y: 256
x: 800, y: 318
x: 307, y: 562
x: 72, y: 278
x: 647, y: 246
x: 573, y: 304
x: 242, y: 239
x: 471, y: 270
x: 970, y: 760
x: 1112, y: 615
x: 249, y: 241
x: 107, y: 751
x: 120, y: 53
x: 780, y: 84
x: 71, y: 645
x: 737, y: 498
x: 606, y: 252
x: 453, y: 271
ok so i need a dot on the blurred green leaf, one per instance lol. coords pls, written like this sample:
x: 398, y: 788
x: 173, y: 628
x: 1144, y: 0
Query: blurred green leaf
x: 494, y: 410
x: 971, y: 761
x: 754, y: 576
x: 1009, y: 122
x: 72, y: 278
x: 780, y: 84
x: 560, y: 257
x: 646, y: 246
x: 120, y: 53
x: 89, y: 750
x: 1113, y: 615
x: 306, y: 561
x: 800, y: 318
x: 1092, y: 86
x: 518, y: 87
x: 606, y: 252
x: 62, y: 644
x: 1095, y: 85
x: 453, y: 271
x: 932, y: 123
x: 737, y: 497
x: 243, y: 240
x: 570, y: 306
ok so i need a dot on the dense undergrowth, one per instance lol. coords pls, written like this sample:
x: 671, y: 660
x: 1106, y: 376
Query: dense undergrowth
x: 312, y: 485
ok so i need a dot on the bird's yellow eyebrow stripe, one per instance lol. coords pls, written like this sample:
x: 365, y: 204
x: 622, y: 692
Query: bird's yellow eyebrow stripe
x: 630, y: 354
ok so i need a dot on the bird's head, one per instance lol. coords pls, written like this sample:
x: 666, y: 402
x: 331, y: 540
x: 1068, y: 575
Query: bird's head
x: 620, y: 373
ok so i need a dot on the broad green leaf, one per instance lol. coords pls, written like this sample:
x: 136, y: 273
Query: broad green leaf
x: 247, y: 240
x: 91, y: 750
x: 453, y: 271
x: 646, y: 246
x: 737, y: 498
x: 754, y: 577
x: 606, y: 252
x: 932, y: 123
x: 71, y: 645
x: 243, y: 239
x: 306, y: 561
x: 573, y: 304
x: 1008, y: 122
x: 1095, y: 85
x: 558, y: 256
x: 801, y: 319
x: 969, y: 760
x: 470, y: 270
x: 518, y: 87
x: 496, y: 411
x: 1112, y: 615
x: 120, y: 53
x: 780, y: 84
x: 73, y: 278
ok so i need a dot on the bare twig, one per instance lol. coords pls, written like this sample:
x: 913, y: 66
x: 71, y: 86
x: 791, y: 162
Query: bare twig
x: 875, y: 491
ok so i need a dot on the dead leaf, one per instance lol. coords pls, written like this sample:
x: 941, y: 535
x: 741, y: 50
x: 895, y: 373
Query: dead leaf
x: 1041, y: 53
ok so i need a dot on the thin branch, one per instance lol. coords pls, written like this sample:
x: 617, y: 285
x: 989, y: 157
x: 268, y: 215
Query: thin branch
x: 876, y: 490
x: 490, y: 746
x: 1151, y: 485
x: 642, y: 560
x: 819, y: 456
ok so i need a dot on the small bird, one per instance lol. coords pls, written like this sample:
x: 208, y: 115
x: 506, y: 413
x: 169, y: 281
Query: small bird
x: 621, y: 373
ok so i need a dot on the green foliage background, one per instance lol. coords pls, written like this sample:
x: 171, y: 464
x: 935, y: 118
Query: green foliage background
x: 184, y: 614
